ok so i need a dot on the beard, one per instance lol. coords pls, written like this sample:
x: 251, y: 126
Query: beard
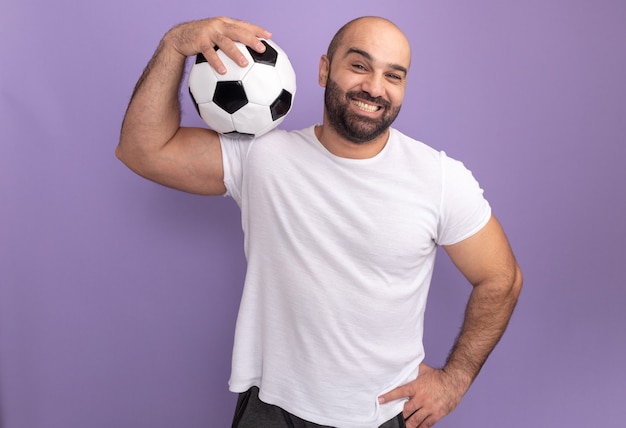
x: 350, y: 125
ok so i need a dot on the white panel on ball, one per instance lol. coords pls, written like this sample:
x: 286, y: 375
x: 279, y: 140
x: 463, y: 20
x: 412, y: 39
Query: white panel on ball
x: 262, y: 84
x: 221, y: 121
x: 202, y: 80
x: 286, y: 74
x: 253, y: 119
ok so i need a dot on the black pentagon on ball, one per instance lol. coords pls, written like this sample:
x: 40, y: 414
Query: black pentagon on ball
x: 195, y: 103
x: 239, y: 133
x: 200, y: 58
x: 281, y: 105
x: 230, y: 95
x: 268, y: 57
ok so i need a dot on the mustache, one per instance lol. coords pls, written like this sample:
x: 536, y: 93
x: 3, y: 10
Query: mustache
x: 367, y: 97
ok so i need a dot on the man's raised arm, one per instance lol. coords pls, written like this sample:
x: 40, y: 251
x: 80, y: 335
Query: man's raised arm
x: 152, y: 142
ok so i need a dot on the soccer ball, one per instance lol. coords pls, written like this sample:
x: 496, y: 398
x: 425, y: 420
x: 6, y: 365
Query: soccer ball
x: 248, y: 100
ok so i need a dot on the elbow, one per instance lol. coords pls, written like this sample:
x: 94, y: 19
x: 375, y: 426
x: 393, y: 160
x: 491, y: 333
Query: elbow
x: 506, y: 287
x: 120, y: 149
x: 119, y: 152
x: 517, y: 281
x: 136, y: 158
x: 129, y: 157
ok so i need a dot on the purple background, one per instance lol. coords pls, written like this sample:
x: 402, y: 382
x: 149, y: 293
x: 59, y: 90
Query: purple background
x: 118, y: 297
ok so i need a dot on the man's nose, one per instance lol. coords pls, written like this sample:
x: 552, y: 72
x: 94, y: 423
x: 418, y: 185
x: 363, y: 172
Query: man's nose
x: 374, y: 85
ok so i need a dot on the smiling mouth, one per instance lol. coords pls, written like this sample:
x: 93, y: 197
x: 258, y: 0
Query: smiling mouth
x: 365, y: 106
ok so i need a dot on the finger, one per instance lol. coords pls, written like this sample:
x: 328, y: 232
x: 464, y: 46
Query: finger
x: 225, y: 41
x: 427, y: 422
x: 223, y: 33
x: 228, y: 46
x: 417, y: 419
x: 396, y: 394
x: 254, y: 30
x: 411, y: 407
x: 244, y: 32
x: 214, y: 60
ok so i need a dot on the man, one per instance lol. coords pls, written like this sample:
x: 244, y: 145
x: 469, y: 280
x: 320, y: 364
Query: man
x: 342, y: 221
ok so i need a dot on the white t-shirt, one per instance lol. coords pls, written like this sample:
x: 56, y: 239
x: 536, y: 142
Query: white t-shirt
x: 340, y: 256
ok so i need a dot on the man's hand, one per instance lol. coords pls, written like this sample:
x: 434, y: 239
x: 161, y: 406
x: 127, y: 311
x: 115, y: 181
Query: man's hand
x: 202, y: 36
x: 433, y: 395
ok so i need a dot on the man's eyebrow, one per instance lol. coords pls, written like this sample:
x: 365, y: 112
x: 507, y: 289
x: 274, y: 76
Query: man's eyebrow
x: 367, y: 56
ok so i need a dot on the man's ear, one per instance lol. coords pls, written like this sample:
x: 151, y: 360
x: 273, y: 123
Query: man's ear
x: 324, y: 70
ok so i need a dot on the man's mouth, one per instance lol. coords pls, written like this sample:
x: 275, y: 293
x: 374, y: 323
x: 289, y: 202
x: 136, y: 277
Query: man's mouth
x: 365, y: 106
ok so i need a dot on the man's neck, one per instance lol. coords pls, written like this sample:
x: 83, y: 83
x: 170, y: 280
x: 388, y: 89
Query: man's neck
x: 342, y: 147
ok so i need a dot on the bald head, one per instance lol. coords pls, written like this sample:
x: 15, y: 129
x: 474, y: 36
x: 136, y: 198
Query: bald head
x: 372, y: 25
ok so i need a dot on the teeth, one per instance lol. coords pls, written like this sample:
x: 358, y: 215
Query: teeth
x: 364, y: 106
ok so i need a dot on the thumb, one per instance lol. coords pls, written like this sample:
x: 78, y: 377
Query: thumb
x: 425, y: 368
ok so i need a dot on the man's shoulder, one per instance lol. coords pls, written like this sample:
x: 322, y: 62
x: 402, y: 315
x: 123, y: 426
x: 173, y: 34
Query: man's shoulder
x: 415, y: 146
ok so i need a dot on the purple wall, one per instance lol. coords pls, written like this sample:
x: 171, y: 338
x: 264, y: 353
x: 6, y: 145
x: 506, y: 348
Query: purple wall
x: 118, y: 297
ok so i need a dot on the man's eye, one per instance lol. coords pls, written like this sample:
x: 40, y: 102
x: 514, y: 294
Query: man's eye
x: 358, y: 66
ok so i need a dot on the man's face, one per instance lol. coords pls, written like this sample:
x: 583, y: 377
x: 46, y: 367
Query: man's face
x: 365, y: 80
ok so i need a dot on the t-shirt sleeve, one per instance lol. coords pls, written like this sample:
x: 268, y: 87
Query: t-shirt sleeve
x: 464, y: 209
x: 234, y: 152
